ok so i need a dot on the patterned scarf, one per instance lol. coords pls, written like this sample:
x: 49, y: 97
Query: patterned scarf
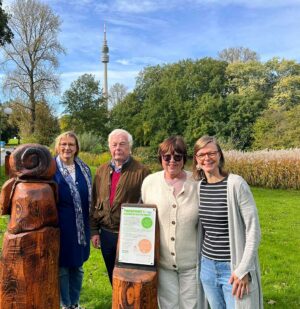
x: 75, y: 193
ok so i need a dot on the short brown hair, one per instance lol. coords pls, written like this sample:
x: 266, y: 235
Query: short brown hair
x: 67, y: 134
x: 171, y: 145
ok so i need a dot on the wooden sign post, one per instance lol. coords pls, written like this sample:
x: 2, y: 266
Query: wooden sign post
x: 29, y: 259
x: 135, y: 272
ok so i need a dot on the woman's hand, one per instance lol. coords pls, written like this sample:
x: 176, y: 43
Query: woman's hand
x: 239, y: 286
x: 96, y: 241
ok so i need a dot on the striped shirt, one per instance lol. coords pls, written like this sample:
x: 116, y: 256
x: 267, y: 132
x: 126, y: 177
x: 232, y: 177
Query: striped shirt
x: 213, y: 212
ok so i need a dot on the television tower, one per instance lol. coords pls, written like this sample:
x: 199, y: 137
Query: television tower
x: 105, y: 60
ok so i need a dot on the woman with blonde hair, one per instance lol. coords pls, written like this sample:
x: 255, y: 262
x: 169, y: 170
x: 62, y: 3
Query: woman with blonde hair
x: 229, y: 232
x: 73, y: 177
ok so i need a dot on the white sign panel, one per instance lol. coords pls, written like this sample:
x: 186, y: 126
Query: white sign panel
x: 137, y: 235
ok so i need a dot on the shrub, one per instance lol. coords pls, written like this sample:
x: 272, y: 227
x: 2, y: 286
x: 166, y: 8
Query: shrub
x: 92, y: 159
x: 13, y: 142
x: 266, y: 168
x: 92, y: 143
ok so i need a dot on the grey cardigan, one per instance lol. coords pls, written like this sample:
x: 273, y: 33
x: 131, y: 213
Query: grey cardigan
x: 244, y: 236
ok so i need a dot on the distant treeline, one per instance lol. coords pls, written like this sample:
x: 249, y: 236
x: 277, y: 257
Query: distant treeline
x: 247, y: 105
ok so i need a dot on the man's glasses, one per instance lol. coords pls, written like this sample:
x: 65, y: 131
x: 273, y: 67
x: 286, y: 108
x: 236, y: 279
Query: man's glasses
x: 176, y: 157
x: 211, y: 154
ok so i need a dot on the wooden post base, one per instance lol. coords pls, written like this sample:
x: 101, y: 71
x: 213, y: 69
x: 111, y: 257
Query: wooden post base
x: 29, y: 270
x: 134, y: 289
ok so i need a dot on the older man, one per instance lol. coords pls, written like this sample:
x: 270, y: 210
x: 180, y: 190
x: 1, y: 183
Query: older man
x: 115, y: 183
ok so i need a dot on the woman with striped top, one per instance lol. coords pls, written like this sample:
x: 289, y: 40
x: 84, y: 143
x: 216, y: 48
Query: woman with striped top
x: 229, y: 232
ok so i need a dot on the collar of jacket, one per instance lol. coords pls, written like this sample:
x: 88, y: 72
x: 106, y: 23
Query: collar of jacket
x: 123, y: 167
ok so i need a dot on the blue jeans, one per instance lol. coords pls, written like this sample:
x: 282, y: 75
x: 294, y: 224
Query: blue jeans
x: 109, y: 241
x: 214, y: 277
x: 70, y: 280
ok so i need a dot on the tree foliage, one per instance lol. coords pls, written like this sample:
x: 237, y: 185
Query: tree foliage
x: 46, y: 124
x: 117, y: 93
x: 277, y: 129
x: 5, y: 32
x: 236, y: 102
x: 238, y: 54
x: 85, y: 106
x: 31, y: 57
x: 7, y: 129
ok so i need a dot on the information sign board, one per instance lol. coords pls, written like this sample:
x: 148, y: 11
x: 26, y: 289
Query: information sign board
x: 137, y: 235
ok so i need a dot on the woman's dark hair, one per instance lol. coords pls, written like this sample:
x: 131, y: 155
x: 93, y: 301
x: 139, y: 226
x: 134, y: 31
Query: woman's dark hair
x: 171, y: 145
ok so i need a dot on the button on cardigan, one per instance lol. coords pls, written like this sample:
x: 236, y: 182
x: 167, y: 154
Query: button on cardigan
x: 178, y: 220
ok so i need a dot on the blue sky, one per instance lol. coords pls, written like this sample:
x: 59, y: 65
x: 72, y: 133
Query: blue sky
x: 150, y: 32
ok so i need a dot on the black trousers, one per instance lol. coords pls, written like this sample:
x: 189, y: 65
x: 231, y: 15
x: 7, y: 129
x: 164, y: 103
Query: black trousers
x: 109, y: 243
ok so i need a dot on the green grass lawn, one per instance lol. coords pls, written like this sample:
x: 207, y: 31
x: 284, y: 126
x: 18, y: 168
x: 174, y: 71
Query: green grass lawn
x: 279, y: 212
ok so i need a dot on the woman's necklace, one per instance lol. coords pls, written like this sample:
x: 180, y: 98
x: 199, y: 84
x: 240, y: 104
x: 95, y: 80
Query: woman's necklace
x: 71, y: 169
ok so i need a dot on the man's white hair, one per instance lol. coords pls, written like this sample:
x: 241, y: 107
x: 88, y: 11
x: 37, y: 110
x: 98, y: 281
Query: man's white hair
x: 121, y: 131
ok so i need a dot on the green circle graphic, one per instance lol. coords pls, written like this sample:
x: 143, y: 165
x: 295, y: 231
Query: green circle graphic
x: 147, y: 222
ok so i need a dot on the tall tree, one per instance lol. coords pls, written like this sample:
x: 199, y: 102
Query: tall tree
x: 168, y: 94
x: 117, y: 93
x: 85, y: 105
x: 284, y: 78
x: 46, y: 126
x: 32, y: 55
x: 238, y: 54
x: 5, y: 32
x: 277, y: 129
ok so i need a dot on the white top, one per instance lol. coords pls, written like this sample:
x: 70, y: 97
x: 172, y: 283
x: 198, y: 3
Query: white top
x: 71, y: 169
x: 178, y: 220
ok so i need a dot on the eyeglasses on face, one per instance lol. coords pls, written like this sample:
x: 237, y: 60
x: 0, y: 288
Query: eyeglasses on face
x: 211, y: 154
x: 176, y: 157
x: 64, y: 145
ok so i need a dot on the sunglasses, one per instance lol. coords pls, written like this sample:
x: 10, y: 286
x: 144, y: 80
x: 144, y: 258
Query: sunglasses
x: 176, y: 157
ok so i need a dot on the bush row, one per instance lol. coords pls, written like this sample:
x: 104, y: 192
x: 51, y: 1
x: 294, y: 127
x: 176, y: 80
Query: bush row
x: 266, y: 168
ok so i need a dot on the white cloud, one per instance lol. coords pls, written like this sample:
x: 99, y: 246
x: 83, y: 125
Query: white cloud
x: 244, y: 3
x: 123, y: 61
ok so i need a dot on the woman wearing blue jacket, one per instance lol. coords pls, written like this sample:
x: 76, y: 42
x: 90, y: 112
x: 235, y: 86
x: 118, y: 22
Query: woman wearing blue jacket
x: 73, y: 177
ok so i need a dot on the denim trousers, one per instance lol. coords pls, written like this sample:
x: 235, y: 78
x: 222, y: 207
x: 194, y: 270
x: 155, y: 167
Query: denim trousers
x: 109, y: 241
x: 214, y: 277
x: 70, y: 280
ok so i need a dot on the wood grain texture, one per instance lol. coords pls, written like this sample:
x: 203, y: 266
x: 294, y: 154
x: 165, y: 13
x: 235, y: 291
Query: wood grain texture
x: 30, y: 252
x: 134, y: 289
x: 33, y: 208
x: 29, y: 270
x: 32, y: 161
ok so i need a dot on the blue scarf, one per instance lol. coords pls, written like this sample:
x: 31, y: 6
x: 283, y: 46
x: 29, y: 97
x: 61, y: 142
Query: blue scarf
x: 75, y: 193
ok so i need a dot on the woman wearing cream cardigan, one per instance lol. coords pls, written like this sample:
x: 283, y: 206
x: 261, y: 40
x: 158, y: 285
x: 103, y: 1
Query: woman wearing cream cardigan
x: 174, y: 192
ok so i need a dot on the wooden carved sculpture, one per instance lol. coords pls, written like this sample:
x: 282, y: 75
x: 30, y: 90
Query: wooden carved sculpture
x: 29, y: 260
